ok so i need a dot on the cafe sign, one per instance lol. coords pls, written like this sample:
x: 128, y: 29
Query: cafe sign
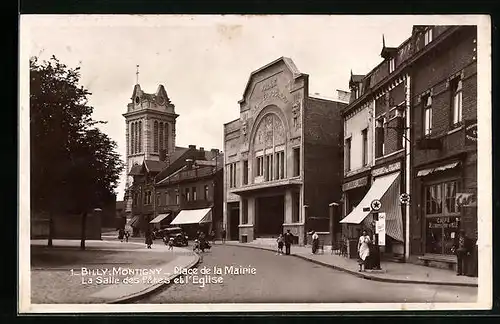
x: 471, y: 132
x: 361, y: 182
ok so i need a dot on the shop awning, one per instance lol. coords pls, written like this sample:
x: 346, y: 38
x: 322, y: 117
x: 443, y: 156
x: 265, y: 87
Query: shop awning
x: 158, y: 218
x: 423, y: 173
x: 194, y: 216
x: 376, y: 191
x: 134, y: 221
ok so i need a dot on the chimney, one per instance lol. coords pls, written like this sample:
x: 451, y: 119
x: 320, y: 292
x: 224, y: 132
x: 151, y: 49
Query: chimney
x: 192, y: 147
x: 202, y: 149
x: 163, y: 155
x: 214, y: 151
x: 189, y: 163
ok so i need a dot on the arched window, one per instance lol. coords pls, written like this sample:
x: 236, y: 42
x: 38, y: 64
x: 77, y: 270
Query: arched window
x: 140, y: 137
x: 166, y: 136
x: 136, y: 137
x: 132, y: 138
x: 155, y: 137
x: 161, y: 137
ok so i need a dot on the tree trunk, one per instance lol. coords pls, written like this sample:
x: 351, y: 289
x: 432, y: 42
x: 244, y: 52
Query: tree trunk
x: 51, y: 230
x: 84, y: 223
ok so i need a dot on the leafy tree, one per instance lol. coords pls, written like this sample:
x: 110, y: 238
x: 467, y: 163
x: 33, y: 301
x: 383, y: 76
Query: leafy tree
x: 74, y: 166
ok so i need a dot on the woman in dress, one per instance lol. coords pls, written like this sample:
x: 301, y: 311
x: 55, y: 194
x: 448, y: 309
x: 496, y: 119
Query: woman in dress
x: 363, y: 250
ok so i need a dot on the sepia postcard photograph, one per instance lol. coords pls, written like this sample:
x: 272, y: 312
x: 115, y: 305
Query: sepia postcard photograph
x: 248, y: 163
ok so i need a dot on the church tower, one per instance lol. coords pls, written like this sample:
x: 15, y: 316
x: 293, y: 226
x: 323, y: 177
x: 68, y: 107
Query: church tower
x: 150, y: 131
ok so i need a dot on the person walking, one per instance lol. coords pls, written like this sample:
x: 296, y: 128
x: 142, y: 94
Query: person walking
x: 127, y: 235
x: 223, y: 234
x: 280, y: 241
x: 171, y: 244
x: 212, y: 236
x: 149, y: 239
x: 315, y: 242
x: 363, y: 250
x: 288, y: 241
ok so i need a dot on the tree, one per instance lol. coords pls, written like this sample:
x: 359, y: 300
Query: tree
x: 74, y: 166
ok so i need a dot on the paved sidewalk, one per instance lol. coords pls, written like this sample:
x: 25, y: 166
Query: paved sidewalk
x: 117, y: 290
x: 391, y: 271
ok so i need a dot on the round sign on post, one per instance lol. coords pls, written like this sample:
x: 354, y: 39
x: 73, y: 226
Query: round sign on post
x: 375, y: 205
x: 404, y: 198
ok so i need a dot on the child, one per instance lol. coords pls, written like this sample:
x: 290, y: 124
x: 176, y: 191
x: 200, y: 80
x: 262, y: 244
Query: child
x: 280, y: 244
x: 171, y: 243
x: 127, y: 234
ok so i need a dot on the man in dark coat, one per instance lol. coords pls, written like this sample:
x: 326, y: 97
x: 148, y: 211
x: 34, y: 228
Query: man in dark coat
x: 463, y: 249
x: 288, y: 241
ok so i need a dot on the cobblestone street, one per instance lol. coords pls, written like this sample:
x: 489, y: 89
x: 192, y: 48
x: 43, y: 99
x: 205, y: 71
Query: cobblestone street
x: 51, y: 270
x: 287, y: 279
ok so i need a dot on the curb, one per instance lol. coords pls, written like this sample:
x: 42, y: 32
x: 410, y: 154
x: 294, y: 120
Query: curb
x: 148, y: 291
x: 366, y: 276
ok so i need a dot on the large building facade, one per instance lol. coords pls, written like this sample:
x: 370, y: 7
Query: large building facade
x: 421, y: 107
x: 283, y: 159
x: 150, y: 132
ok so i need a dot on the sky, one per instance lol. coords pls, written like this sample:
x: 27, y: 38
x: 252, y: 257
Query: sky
x: 204, y: 62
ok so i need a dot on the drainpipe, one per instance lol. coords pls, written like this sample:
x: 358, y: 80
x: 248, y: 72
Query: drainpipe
x: 407, y: 166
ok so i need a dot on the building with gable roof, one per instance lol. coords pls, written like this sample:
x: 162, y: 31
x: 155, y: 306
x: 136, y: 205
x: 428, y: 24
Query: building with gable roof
x: 283, y: 158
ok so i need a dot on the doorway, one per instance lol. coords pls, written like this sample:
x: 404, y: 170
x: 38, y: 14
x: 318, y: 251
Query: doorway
x: 270, y: 216
x: 234, y: 221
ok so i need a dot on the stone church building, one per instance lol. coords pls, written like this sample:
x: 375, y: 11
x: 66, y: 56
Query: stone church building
x: 150, y: 134
x: 283, y: 157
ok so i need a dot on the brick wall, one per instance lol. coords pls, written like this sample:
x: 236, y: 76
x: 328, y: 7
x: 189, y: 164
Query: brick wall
x: 323, y: 163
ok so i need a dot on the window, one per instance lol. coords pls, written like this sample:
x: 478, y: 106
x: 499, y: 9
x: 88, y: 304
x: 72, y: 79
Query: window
x: 279, y: 159
x: 137, y: 138
x: 177, y: 198
x: 456, y: 101
x: 147, y: 198
x: 167, y: 198
x: 348, y: 154
x: 260, y: 165
x: 296, y: 162
x: 194, y: 193
x: 282, y: 165
x: 155, y: 136
x: 140, y: 137
x: 428, y: 36
x: 244, y: 211
x: 166, y: 136
x: 392, y: 64
x: 245, y: 172
x: 442, y: 217
x: 188, y: 196
x: 232, y: 175
x: 400, y: 126
x: 379, y: 137
x: 131, y: 138
x: 206, y: 192
x: 158, y: 199
x: 364, y: 134
x: 427, y: 100
x: 161, y: 136
x: 269, y: 168
x: 356, y: 93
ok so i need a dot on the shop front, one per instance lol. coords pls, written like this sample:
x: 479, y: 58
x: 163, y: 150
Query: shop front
x: 447, y: 206
x: 386, y: 189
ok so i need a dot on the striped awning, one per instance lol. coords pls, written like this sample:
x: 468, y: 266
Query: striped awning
x: 158, y: 218
x: 387, y: 189
x: 424, y: 172
x: 194, y: 216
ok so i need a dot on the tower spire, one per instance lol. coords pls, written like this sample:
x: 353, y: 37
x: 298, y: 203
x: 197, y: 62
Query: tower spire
x: 383, y: 41
x: 137, y: 74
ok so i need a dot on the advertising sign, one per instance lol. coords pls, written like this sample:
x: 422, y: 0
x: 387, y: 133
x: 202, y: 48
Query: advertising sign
x: 380, y: 229
x: 471, y: 132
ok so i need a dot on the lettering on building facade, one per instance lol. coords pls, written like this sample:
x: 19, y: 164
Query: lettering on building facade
x: 386, y: 169
x: 361, y: 182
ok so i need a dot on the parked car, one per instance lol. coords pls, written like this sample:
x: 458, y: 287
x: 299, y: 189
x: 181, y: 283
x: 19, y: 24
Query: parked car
x: 180, y: 238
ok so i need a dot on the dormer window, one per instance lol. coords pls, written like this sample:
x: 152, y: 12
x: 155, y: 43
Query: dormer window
x: 428, y: 36
x: 356, y: 93
x: 392, y: 64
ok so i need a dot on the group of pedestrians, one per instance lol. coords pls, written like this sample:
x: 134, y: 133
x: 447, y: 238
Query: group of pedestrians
x: 123, y: 234
x: 285, y: 240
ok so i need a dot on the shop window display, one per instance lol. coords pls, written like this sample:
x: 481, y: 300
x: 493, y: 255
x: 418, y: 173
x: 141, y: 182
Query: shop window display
x: 442, y: 217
